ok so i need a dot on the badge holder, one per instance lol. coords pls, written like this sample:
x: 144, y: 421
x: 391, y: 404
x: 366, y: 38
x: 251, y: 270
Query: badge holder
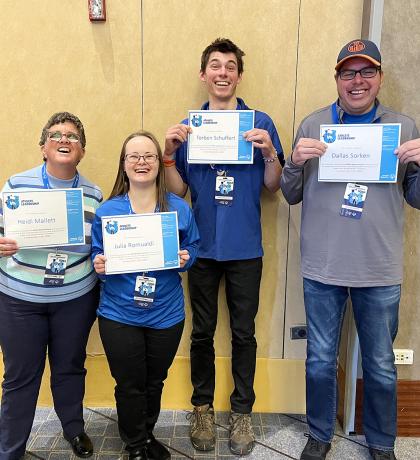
x: 354, y: 201
x: 55, y: 269
x: 224, y: 189
x: 144, y: 291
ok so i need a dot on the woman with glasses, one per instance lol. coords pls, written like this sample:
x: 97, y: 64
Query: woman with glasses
x: 141, y: 315
x: 38, y: 315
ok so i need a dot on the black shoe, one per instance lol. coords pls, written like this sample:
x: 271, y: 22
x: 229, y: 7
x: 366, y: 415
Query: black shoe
x: 377, y: 454
x: 81, y: 445
x: 156, y: 450
x: 315, y: 450
x: 138, y: 454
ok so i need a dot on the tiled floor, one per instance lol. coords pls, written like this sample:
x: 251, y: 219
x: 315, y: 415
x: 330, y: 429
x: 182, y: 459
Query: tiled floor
x: 279, y: 436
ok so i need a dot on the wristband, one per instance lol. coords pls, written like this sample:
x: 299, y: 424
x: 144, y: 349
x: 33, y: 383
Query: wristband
x: 271, y: 160
x: 168, y: 163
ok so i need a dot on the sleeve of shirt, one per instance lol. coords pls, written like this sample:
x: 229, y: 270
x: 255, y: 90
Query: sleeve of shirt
x: 97, y: 241
x: 189, y: 237
x: 291, y: 181
x: 411, y: 184
x: 268, y: 124
x: 275, y: 139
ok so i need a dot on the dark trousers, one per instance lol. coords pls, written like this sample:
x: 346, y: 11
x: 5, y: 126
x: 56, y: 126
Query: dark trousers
x: 27, y: 329
x: 242, y: 279
x: 139, y: 359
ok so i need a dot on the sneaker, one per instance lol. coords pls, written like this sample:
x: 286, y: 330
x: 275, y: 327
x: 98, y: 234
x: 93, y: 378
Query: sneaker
x: 202, y: 431
x: 315, y: 450
x: 377, y: 454
x: 242, y: 435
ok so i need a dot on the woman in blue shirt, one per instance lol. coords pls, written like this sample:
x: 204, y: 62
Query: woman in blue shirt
x: 141, y: 315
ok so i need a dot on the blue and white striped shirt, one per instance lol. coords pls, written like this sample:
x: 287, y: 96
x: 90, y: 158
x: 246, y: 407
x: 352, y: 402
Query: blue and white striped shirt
x: 22, y: 275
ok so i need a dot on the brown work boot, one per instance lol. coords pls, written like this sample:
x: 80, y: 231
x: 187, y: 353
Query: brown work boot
x: 202, y: 431
x: 242, y: 435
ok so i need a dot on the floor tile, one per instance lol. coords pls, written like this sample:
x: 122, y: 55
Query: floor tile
x: 279, y: 436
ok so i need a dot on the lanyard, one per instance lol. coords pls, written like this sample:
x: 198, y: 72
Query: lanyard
x: 130, y: 209
x: 47, y: 182
x: 335, y: 118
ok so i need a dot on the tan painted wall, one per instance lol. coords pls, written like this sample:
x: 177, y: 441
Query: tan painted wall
x: 400, y: 46
x: 141, y: 67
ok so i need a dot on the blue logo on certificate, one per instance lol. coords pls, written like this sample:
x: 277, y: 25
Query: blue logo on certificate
x: 329, y: 136
x: 12, y: 201
x: 111, y: 227
x: 196, y: 120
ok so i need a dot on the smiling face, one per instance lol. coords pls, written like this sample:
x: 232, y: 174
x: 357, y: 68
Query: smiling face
x: 62, y: 156
x: 221, y: 78
x: 358, y: 96
x: 141, y: 172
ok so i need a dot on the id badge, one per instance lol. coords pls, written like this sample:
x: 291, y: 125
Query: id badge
x: 55, y: 269
x: 144, y: 291
x: 354, y: 200
x: 224, y: 190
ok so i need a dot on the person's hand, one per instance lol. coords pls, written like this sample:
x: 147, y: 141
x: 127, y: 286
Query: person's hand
x: 409, y: 151
x: 184, y: 257
x: 307, y: 148
x: 261, y: 139
x: 8, y: 247
x: 99, y: 264
x: 175, y: 136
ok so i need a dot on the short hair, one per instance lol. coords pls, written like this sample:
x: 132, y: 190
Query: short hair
x: 223, y: 45
x: 62, y: 117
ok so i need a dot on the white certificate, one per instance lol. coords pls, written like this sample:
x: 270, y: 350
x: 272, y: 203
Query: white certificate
x: 41, y: 218
x: 140, y: 242
x: 359, y: 153
x: 217, y: 136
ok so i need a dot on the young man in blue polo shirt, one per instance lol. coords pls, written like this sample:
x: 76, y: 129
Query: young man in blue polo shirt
x: 230, y: 232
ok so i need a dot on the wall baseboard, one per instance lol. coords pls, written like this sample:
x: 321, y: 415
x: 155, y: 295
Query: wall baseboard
x: 279, y: 385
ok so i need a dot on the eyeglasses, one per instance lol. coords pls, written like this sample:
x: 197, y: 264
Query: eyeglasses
x: 134, y: 158
x: 58, y: 135
x: 366, y: 72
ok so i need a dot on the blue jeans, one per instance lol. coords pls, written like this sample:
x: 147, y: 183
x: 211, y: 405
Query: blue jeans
x: 375, y: 312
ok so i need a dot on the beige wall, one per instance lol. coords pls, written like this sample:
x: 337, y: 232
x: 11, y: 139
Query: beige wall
x: 140, y: 69
x: 400, y: 46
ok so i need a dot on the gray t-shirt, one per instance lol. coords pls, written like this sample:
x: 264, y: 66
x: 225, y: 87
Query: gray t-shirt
x: 351, y: 252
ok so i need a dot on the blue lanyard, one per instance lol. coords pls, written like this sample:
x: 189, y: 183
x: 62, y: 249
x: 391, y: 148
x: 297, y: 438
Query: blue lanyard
x: 130, y: 209
x: 47, y: 181
x: 336, y: 120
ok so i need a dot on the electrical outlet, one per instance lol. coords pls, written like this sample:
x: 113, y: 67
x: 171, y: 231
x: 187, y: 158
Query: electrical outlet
x: 298, y: 332
x: 403, y: 356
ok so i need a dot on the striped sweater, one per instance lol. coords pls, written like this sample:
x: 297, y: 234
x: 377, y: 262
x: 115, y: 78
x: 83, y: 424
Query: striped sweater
x: 22, y: 276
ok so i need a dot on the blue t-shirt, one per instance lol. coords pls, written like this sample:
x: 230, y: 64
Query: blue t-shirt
x: 117, y: 297
x: 229, y: 232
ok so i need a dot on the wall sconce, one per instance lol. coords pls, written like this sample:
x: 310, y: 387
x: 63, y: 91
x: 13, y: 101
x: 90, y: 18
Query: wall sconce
x: 97, y: 10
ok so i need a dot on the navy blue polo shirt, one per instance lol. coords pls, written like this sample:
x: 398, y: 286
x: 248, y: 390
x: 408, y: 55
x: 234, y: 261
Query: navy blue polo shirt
x: 229, y: 232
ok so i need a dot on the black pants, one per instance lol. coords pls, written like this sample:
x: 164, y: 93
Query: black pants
x: 242, y: 279
x: 27, y: 329
x: 139, y: 359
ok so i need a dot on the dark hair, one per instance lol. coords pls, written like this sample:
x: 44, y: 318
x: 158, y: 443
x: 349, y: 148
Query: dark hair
x: 223, y: 45
x: 122, y: 184
x: 62, y: 117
